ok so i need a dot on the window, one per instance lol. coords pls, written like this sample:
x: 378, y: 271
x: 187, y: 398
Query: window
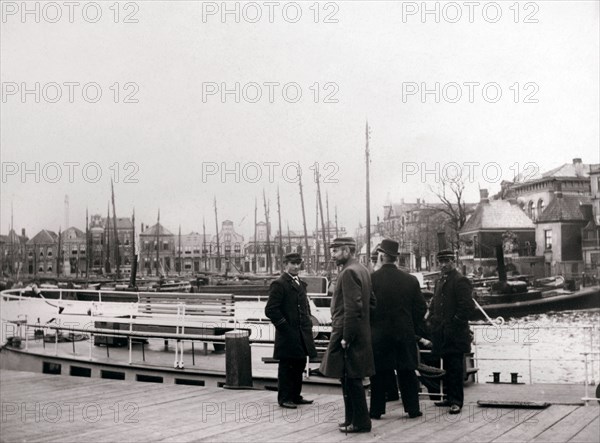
x: 540, y: 207
x: 237, y: 248
x: 49, y: 254
x: 548, y: 239
x: 530, y: 210
x: 165, y: 246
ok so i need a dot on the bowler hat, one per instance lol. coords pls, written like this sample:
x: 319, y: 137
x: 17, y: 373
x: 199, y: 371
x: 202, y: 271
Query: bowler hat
x: 389, y: 247
x: 342, y: 241
x: 292, y: 257
x: 446, y: 254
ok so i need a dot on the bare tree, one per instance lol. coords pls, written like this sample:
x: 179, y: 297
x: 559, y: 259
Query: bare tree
x: 450, y: 194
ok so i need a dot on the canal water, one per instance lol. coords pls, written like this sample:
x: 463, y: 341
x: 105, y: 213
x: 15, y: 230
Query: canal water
x: 542, y: 348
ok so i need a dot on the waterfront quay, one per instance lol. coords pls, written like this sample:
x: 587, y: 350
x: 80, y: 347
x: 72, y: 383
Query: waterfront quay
x: 44, y: 407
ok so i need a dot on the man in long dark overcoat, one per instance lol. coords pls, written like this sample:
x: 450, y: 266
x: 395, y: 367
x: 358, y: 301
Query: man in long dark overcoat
x: 400, y: 306
x: 449, y: 312
x: 289, y: 311
x: 349, y: 355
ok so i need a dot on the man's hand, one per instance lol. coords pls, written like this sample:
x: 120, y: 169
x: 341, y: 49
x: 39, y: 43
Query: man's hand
x: 426, y: 343
x: 344, y: 344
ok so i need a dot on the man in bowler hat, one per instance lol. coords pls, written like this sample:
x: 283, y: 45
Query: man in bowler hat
x: 349, y: 355
x: 400, y: 307
x: 289, y: 311
x: 449, y: 311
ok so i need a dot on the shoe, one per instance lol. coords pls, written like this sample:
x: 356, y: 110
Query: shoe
x: 351, y: 429
x: 343, y: 425
x: 288, y: 405
x: 415, y: 414
x: 442, y: 404
x: 454, y: 409
x: 375, y: 416
x: 303, y: 401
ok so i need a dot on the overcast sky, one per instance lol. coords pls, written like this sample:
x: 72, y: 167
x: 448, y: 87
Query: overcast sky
x: 171, y: 132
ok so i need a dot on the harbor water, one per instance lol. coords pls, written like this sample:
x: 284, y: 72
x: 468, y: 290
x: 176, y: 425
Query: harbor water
x: 541, y: 348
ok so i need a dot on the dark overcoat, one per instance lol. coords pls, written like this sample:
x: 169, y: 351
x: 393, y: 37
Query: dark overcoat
x: 449, y: 312
x: 351, y: 306
x: 289, y: 311
x: 400, y: 306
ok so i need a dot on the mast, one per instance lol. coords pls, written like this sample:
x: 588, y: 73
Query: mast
x: 157, y: 240
x: 132, y: 281
x: 328, y: 221
x: 255, y: 239
x: 117, y: 255
x: 107, y: 229
x: 269, y: 258
x: 336, y: 223
x: 280, y: 232
x: 218, y: 245
x: 289, y: 236
x: 12, y: 248
x: 307, y: 252
x: 204, y: 251
x: 88, y: 250
x: 179, y: 248
x: 325, y: 242
x: 367, y: 131
x: 317, y: 235
x: 59, y: 251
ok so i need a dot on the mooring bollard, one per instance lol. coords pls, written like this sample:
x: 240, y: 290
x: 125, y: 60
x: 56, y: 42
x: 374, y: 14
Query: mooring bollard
x: 238, y: 360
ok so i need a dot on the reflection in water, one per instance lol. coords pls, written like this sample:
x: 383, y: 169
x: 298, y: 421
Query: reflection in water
x: 554, y: 342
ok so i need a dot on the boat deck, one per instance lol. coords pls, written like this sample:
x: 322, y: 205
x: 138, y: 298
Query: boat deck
x: 42, y: 407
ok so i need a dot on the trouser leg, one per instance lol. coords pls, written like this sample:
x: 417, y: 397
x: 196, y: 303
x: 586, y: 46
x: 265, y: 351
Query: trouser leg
x: 453, y: 364
x: 355, y: 401
x: 409, y: 389
x: 378, y: 393
x: 289, y: 383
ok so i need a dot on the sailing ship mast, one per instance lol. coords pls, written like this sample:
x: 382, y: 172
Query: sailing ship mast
x: 179, y: 249
x: 269, y: 258
x: 367, y: 131
x: 317, y: 235
x: 204, y: 251
x: 255, y: 239
x: 112, y: 190
x: 325, y: 242
x: 88, y: 250
x: 307, y: 253
x: 132, y: 281
x: 218, y: 244
x: 280, y: 232
x: 157, y: 241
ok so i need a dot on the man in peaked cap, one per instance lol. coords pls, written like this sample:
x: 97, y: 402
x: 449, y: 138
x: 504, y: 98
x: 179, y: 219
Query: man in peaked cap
x: 289, y: 311
x: 449, y: 311
x: 400, y: 307
x: 349, y: 355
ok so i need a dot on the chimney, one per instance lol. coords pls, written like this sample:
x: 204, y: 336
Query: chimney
x: 23, y: 232
x: 578, y: 167
x: 418, y: 201
x: 483, y: 196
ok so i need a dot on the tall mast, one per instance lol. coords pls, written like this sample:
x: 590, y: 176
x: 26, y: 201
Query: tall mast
x: 269, y: 258
x: 317, y: 234
x: 289, y: 236
x: 179, y: 249
x: 307, y: 252
x: 218, y: 244
x: 117, y: 255
x: 325, y: 242
x: 132, y: 282
x: 88, y: 250
x: 280, y: 232
x: 204, y: 250
x: 328, y: 222
x: 12, y: 248
x: 336, y: 223
x: 107, y: 230
x: 157, y: 240
x: 255, y: 239
x: 59, y: 251
x: 367, y: 135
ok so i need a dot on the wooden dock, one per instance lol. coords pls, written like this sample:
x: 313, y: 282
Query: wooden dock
x: 41, y: 407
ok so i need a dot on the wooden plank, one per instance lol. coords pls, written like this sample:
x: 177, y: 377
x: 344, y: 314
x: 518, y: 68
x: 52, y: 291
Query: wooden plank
x: 569, y: 426
x: 531, y: 424
x: 589, y: 434
x: 495, y: 423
